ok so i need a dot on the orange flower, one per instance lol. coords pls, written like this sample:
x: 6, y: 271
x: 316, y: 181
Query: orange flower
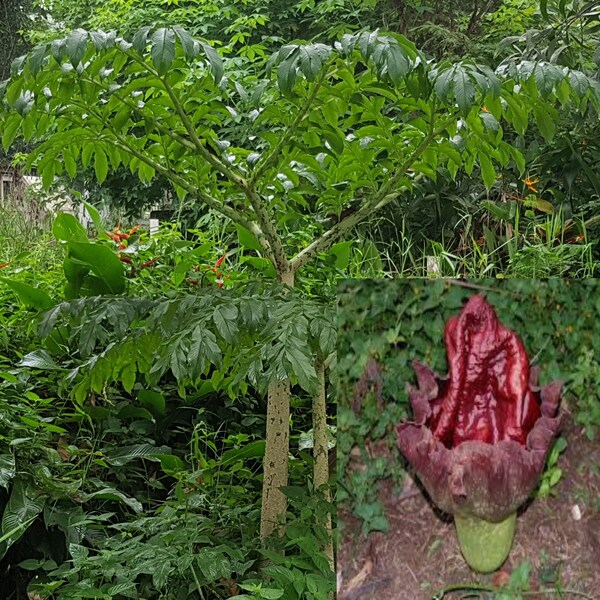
x: 531, y: 183
x: 484, y: 108
x: 118, y: 236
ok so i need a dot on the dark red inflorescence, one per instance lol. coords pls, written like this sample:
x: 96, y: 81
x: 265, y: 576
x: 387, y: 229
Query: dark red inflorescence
x: 479, y: 437
x: 487, y: 396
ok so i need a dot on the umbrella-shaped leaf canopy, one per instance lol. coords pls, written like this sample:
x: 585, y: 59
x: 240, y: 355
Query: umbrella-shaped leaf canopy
x: 480, y: 436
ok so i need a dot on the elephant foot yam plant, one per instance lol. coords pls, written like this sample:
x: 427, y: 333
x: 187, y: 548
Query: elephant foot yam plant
x: 480, y: 436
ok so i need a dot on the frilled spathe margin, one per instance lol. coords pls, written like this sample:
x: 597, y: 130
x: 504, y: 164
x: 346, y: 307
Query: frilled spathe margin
x: 480, y: 437
x: 488, y: 481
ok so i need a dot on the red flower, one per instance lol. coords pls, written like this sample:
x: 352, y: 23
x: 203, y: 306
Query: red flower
x: 480, y: 435
x: 220, y: 261
x: 148, y: 263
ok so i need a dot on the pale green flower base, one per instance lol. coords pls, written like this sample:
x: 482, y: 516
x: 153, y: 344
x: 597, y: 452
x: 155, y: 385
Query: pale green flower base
x: 484, y: 545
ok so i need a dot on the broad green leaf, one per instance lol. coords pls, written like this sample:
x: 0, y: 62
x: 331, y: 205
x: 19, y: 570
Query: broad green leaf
x: 540, y: 204
x: 171, y: 464
x: 442, y: 82
x: 70, y: 164
x: 153, y: 401
x: 36, y: 58
x: 10, y: 131
x: 302, y: 367
x: 135, y: 412
x: 213, y: 564
x: 334, y: 138
x: 251, y: 450
x: 24, y: 103
x: 189, y: 45
x: 29, y: 295
x: 247, y: 239
x: 341, y: 251
x: 516, y: 114
x: 99, y: 39
x: 215, y: 62
x: 497, y: 210
x: 31, y: 564
x: 109, y: 493
x: 487, y: 170
x: 95, y: 216
x: 545, y: 122
x: 75, y: 274
x: 75, y: 45
x: 140, y: 39
x: 102, y: 261
x: 24, y: 504
x: 464, y: 90
x: 286, y: 73
x: 39, y: 359
x: 225, y: 318
x: 48, y: 173
x: 579, y: 83
x: 34, y: 423
x: 261, y: 264
x: 398, y: 64
x: 67, y: 228
x: 490, y: 121
x: 121, y: 456
x: 519, y: 159
x: 7, y: 469
x: 126, y: 589
x: 163, y: 49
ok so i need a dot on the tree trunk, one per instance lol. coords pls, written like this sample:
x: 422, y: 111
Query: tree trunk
x: 274, y: 503
x: 320, y: 450
x: 277, y: 446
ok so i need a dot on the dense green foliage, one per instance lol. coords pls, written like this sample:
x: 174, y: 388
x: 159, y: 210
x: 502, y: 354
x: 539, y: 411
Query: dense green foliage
x: 149, y: 486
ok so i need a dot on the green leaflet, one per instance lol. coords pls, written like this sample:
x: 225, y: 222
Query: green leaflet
x: 163, y: 49
x: 487, y: 170
x: 75, y: 45
x: 29, y: 295
x: 100, y: 165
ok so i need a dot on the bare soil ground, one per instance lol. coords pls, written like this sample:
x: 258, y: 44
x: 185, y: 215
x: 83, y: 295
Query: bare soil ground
x: 420, y: 554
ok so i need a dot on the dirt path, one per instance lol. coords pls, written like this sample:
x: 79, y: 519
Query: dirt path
x: 420, y: 555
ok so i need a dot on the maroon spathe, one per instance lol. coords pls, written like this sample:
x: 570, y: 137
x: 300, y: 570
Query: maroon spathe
x: 480, y: 436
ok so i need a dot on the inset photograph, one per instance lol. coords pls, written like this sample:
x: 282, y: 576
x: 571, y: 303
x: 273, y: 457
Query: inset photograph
x: 468, y: 455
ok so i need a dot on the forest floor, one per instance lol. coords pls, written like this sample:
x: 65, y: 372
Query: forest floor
x: 419, y: 556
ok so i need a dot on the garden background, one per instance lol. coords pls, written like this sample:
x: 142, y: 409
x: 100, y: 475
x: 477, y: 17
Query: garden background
x: 168, y: 402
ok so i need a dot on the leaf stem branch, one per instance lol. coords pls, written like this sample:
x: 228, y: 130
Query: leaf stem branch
x: 269, y: 239
x: 381, y: 198
x: 289, y: 132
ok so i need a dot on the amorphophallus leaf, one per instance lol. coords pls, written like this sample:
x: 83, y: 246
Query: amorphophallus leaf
x: 480, y: 435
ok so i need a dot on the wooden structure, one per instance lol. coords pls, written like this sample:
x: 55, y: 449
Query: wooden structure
x: 11, y: 182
